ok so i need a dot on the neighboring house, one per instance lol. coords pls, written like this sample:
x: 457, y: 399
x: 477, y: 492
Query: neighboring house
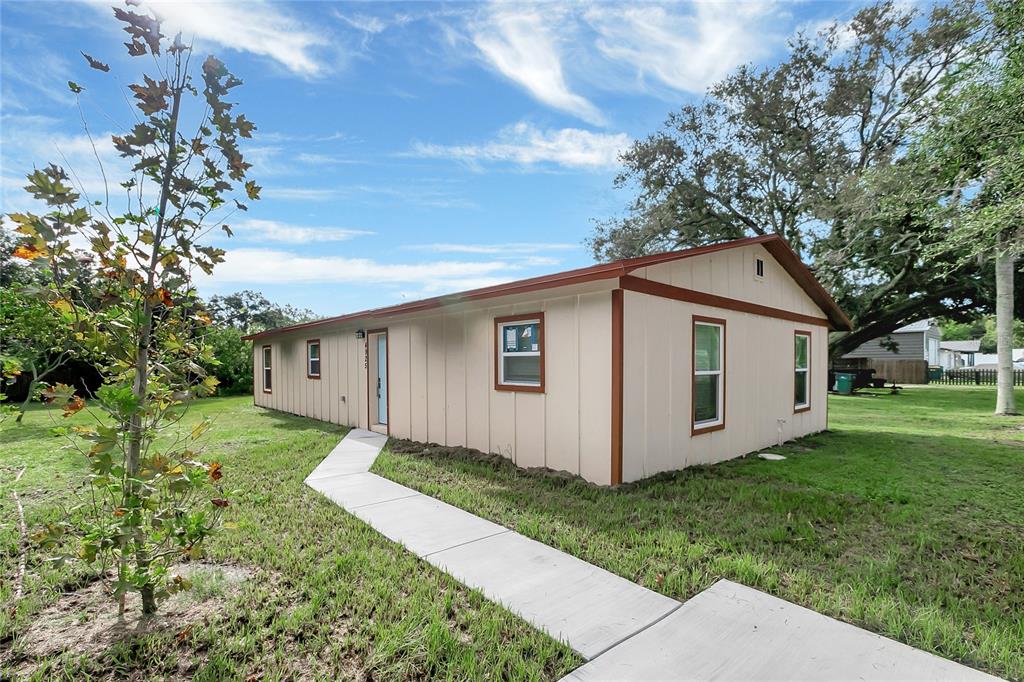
x: 991, y: 360
x: 613, y: 372
x: 957, y: 354
x: 916, y: 341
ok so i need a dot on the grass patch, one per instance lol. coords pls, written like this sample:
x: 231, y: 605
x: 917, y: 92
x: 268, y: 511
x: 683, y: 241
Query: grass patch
x: 907, y: 519
x: 328, y: 597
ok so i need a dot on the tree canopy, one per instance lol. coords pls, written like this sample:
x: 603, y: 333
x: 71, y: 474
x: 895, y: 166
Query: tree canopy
x: 814, y: 149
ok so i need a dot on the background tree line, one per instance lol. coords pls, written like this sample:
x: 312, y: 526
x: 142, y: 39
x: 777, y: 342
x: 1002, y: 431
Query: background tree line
x: 37, y: 350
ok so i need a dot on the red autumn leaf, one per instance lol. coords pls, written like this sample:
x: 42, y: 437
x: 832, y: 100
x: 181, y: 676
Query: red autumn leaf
x: 215, y: 472
x: 27, y: 252
x: 120, y: 511
x: 219, y: 502
x: 74, y: 405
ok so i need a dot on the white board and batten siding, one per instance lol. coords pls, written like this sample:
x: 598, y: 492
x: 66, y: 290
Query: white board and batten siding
x: 441, y: 370
x: 441, y: 381
x: 759, y: 364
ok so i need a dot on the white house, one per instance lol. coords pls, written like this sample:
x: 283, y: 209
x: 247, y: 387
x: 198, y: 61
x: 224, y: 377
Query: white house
x: 614, y: 372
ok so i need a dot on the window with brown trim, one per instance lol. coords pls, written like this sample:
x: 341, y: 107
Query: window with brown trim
x: 313, y: 359
x: 519, y: 353
x: 801, y: 371
x: 708, y: 374
x: 267, y: 369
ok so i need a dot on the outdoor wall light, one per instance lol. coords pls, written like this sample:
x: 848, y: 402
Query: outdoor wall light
x: 360, y: 334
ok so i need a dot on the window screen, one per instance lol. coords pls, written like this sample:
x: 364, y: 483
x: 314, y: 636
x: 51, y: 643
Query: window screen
x: 519, y: 359
x: 313, y: 358
x: 708, y: 364
x: 802, y: 365
x: 267, y: 370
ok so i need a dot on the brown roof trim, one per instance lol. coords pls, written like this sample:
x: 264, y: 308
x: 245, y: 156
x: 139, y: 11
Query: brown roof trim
x: 775, y: 245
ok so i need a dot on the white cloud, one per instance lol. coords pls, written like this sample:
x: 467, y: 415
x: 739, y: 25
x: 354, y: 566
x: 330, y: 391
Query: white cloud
x: 275, y: 231
x: 513, y: 248
x: 271, y: 266
x: 525, y: 144
x: 299, y: 193
x: 255, y: 26
x: 686, y: 51
x: 519, y: 42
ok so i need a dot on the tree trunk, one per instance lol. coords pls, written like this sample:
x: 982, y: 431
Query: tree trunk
x: 140, y: 384
x: 1005, y: 401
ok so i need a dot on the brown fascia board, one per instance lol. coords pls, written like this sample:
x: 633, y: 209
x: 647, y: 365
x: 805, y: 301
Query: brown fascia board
x: 775, y: 245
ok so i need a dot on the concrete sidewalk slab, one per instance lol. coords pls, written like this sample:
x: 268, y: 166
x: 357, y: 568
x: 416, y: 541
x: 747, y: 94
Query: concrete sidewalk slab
x: 626, y: 631
x: 425, y: 525
x: 576, y: 602
x: 355, y: 462
x: 355, y: 490
x: 730, y: 631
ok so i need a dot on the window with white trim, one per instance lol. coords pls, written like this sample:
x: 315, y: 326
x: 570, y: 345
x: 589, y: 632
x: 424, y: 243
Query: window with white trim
x: 708, y: 373
x: 313, y: 359
x: 267, y: 369
x: 802, y: 371
x: 520, y: 347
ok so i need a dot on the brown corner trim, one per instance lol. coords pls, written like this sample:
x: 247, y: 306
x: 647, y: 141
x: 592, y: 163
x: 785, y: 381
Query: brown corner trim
x: 652, y: 288
x: 617, y: 354
x: 498, y: 386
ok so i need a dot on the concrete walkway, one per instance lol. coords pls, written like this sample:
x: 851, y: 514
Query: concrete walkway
x: 624, y: 630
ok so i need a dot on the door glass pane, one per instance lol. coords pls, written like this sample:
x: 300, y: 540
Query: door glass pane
x: 522, y: 369
x: 705, y: 395
x: 800, y: 397
x: 705, y: 348
x: 801, y: 352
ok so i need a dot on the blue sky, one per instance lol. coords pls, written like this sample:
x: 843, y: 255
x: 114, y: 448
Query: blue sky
x: 405, y: 150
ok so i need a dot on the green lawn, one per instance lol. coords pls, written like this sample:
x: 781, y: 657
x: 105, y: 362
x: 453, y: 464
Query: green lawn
x: 330, y: 597
x: 907, y: 518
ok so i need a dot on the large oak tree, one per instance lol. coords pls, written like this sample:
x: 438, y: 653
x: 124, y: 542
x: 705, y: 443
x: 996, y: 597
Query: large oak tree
x: 801, y: 149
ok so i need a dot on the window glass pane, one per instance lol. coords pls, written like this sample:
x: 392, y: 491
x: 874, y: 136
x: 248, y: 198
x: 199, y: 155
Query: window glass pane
x: 266, y: 357
x: 801, y: 351
x: 705, y: 348
x: 520, y: 369
x: 800, y: 398
x: 520, y: 338
x: 705, y: 395
x: 314, y: 367
x: 266, y: 378
x: 314, y: 350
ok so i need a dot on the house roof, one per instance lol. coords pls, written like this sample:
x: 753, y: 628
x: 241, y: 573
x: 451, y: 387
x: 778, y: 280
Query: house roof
x: 919, y: 326
x: 774, y: 244
x: 961, y: 346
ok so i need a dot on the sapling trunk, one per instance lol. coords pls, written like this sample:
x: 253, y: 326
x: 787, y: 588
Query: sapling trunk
x: 139, y: 387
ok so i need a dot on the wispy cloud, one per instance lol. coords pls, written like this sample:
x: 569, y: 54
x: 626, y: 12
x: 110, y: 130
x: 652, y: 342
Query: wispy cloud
x: 276, y: 231
x: 281, y: 267
x: 523, y: 44
x: 427, y: 197
x: 514, y: 248
x: 525, y: 144
x: 256, y: 26
x: 685, y: 50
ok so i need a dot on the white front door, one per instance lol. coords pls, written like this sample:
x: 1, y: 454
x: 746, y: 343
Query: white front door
x: 382, y: 379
